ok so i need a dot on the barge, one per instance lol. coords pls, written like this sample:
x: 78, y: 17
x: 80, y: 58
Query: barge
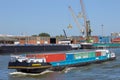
x: 33, y: 48
x: 37, y: 63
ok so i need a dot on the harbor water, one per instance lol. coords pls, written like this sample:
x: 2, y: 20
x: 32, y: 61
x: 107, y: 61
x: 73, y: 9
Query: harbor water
x: 109, y: 70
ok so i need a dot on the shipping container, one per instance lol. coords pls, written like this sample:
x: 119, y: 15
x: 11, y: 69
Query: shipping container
x: 77, y: 55
x: 50, y: 57
x: 85, y: 55
x: 81, y: 55
x: 103, y: 53
x: 104, y: 39
x: 69, y: 56
x: 91, y: 54
x: 98, y: 53
x: 55, y: 57
x: 35, y: 56
x: 39, y: 56
x: 30, y: 55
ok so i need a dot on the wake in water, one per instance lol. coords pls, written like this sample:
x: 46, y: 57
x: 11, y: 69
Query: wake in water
x: 66, y: 70
x: 29, y: 74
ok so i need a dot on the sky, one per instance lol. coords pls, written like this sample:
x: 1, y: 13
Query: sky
x: 31, y: 17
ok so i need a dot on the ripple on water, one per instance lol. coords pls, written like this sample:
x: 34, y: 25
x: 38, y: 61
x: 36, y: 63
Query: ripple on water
x: 4, y: 74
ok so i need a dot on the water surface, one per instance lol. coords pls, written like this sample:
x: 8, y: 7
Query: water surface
x: 105, y: 71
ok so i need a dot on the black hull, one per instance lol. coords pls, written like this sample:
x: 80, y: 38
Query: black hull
x: 87, y: 46
x: 29, y: 67
x: 32, y: 70
x: 33, y: 48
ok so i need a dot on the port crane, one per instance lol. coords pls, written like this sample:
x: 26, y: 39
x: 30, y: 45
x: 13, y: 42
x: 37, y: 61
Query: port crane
x: 86, y: 22
x: 75, y: 19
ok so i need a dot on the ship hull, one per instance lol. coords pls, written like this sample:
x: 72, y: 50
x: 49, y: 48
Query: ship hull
x: 60, y: 68
x: 33, y: 48
x: 37, y: 63
x: 57, y: 68
x: 86, y: 46
x: 32, y: 70
x: 29, y: 67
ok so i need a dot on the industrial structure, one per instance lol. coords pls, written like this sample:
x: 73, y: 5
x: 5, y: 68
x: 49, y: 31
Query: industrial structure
x: 55, y: 40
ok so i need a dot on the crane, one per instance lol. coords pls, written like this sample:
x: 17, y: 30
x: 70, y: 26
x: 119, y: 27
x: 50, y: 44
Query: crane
x: 75, y: 19
x: 86, y: 22
x: 65, y: 34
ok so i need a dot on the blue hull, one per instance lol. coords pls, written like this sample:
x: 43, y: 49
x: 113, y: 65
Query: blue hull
x: 58, y: 66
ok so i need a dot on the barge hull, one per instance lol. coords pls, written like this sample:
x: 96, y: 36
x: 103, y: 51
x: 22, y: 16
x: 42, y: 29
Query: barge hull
x: 60, y: 68
x: 33, y: 48
x: 31, y: 70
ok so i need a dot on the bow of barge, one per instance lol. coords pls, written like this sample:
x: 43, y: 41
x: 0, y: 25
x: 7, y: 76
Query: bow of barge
x: 23, y: 64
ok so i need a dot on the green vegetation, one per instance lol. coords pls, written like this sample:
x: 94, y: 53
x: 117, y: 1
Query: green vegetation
x: 34, y: 35
x: 44, y: 35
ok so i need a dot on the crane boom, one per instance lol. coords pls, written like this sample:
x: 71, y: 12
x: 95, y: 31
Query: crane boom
x: 65, y: 33
x: 84, y: 15
x: 74, y: 17
x: 83, y: 11
x: 86, y: 22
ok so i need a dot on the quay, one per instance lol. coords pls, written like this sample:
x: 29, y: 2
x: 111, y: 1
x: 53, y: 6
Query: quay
x: 107, y: 45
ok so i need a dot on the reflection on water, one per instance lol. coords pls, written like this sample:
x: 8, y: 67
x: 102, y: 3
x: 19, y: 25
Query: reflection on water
x: 105, y: 71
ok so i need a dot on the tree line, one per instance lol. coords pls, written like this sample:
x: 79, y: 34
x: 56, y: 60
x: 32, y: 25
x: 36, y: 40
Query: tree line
x: 46, y: 35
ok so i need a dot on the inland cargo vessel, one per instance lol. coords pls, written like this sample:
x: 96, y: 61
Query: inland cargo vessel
x: 37, y: 63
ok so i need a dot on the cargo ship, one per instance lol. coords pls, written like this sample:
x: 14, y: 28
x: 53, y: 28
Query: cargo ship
x: 37, y: 63
x: 33, y: 48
